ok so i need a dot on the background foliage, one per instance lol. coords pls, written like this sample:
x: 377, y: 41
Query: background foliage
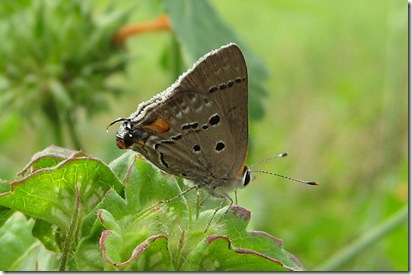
x: 337, y: 103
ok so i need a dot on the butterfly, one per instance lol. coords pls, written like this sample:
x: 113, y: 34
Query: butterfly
x: 197, y: 128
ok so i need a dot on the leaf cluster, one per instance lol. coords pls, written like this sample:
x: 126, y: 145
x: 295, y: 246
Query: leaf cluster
x: 94, y: 216
x: 57, y: 59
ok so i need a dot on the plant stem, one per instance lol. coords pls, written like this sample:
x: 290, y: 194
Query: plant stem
x: 67, y: 244
x: 57, y: 130
x: 161, y: 23
x: 368, y: 239
x: 176, y: 61
x: 73, y: 133
x: 55, y: 119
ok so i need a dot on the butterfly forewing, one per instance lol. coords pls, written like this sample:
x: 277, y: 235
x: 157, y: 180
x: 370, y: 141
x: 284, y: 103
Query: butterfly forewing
x: 198, y: 127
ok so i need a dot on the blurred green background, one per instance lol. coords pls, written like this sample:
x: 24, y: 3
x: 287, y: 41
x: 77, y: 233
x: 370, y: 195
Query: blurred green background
x: 337, y: 103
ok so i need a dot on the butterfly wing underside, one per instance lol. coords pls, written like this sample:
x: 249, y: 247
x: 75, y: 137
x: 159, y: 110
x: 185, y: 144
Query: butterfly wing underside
x: 223, y: 78
x: 198, y: 128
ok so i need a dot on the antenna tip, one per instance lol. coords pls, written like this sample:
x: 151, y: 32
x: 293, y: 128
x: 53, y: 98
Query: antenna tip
x: 313, y: 183
x: 108, y: 126
x: 282, y: 155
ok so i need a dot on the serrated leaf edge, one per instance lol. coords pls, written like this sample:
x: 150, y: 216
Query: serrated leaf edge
x: 278, y: 242
x: 136, y: 252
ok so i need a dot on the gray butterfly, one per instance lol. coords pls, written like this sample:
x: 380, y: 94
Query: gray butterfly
x: 198, y: 127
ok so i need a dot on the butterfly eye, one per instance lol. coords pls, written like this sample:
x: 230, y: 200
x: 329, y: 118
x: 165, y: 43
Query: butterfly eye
x: 124, y: 142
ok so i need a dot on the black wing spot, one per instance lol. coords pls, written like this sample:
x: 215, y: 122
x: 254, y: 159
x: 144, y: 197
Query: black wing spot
x: 220, y: 146
x: 162, y: 160
x: 213, y: 89
x: 222, y: 86
x: 192, y: 125
x: 214, y: 120
x: 196, y: 148
x: 177, y: 137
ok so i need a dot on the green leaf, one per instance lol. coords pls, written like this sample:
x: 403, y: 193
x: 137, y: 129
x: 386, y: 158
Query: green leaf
x: 234, y: 248
x: 15, y: 239
x: 49, y: 157
x: 152, y: 254
x: 155, y: 236
x: 88, y: 254
x: 5, y: 214
x: 63, y: 188
x: 153, y: 186
x: 53, y: 200
x: 81, y: 216
x: 46, y: 233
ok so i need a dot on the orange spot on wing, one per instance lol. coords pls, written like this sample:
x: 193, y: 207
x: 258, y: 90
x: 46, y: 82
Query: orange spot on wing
x: 239, y: 174
x: 158, y: 126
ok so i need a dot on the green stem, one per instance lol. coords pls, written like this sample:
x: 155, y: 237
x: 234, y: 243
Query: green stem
x: 68, y: 242
x: 57, y: 130
x: 368, y: 239
x: 175, y: 59
x: 55, y: 119
x: 73, y: 132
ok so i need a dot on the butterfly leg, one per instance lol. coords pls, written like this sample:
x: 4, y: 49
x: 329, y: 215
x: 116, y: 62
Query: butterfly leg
x: 179, y: 195
x: 224, y: 197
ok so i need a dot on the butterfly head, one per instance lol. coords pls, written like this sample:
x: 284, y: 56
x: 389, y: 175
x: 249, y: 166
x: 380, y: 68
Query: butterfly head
x: 127, y: 135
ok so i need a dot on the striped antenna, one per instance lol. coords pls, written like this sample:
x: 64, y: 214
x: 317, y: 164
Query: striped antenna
x: 282, y: 176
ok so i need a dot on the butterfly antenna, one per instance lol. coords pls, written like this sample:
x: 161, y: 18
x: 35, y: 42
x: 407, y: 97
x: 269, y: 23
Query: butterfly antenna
x: 120, y: 119
x: 270, y: 158
x: 282, y: 176
x: 286, y: 177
